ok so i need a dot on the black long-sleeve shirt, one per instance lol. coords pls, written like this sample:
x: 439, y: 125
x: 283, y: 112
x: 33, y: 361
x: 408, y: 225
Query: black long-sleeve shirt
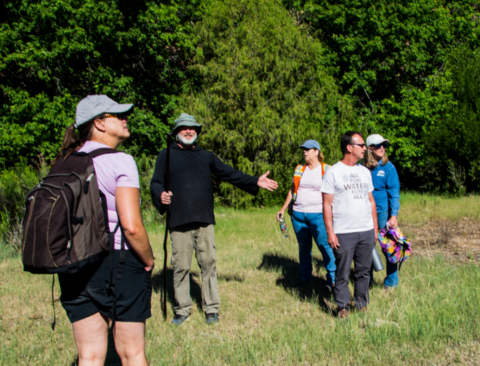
x: 191, y: 183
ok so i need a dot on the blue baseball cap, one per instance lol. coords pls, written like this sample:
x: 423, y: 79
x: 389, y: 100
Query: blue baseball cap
x: 310, y: 144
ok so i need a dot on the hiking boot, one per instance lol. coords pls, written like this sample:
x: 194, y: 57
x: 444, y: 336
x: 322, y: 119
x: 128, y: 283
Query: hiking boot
x: 179, y: 319
x: 363, y: 310
x: 342, y: 314
x: 212, y: 318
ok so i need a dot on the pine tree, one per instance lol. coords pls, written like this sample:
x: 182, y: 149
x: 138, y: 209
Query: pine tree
x: 263, y: 91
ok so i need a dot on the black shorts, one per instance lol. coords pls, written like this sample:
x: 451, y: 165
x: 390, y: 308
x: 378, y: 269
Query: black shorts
x: 85, y: 293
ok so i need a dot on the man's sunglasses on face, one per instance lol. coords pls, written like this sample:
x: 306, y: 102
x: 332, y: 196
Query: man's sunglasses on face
x: 361, y: 145
x: 378, y: 146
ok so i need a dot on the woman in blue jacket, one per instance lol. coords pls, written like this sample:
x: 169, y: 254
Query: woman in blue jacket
x: 386, y: 193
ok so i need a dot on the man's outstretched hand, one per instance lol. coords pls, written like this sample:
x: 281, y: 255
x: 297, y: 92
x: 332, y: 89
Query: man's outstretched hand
x: 265, y: 183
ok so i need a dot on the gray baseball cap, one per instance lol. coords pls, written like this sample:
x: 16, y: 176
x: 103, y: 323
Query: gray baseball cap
x: 187, y: 120
x: 94, y: 105
x: 310, y: 144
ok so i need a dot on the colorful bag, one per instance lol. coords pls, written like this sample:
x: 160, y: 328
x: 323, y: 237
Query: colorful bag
x: 396, y: 246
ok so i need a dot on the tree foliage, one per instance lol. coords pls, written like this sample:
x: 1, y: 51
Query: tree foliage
x: 377, y: 47
x: 436, y: 129
x: 453, y: 141
x: 53, y: 53
x: 263, y: 92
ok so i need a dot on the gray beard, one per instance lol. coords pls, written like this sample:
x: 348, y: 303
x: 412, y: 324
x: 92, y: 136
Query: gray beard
x: 185, y: 141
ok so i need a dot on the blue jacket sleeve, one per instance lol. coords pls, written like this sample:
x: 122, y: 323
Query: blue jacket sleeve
x: 393, y: 191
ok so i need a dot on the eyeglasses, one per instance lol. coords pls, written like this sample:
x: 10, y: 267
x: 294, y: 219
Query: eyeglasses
x: 378, y: 146
x: 361, y: 145
x: 120, y: 116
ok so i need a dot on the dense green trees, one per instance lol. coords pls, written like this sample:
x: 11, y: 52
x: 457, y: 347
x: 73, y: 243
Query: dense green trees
x: 263, y: 91
x: 376, y: 47
x: 438, y: 127
x: 452, y: 142
x: 53, y: 53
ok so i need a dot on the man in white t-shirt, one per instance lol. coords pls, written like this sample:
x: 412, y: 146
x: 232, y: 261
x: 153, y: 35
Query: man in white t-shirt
x: 350, y: 216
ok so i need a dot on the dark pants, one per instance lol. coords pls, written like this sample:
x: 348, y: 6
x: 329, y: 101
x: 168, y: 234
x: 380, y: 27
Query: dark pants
x: 355, y: 247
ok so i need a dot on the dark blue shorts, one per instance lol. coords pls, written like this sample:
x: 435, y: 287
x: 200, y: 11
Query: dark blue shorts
x: 85, y: 293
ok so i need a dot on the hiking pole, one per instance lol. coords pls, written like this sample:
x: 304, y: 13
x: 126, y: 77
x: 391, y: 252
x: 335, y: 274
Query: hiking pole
x: 167, y: 218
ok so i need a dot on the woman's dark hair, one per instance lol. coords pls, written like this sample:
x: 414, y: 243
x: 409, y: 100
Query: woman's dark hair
x: 347, y: 139
x: 73, y: 139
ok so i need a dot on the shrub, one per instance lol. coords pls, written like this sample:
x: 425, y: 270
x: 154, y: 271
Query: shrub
x: 14, y: 185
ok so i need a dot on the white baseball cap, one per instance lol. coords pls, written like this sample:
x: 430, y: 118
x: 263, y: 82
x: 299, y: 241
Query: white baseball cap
x: 375, y: 139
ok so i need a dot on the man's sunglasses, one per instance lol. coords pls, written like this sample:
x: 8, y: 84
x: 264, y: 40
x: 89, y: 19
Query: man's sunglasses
x: 361, y: 145
x: 120, y: 116
x: 378, y: 146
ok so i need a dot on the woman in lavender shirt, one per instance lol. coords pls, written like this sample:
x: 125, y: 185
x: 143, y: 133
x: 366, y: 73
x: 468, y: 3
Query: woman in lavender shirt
x: 102, y: 123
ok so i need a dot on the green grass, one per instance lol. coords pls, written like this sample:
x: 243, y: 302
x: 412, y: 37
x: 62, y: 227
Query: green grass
x: 420, y: 208
x: 267, y: 318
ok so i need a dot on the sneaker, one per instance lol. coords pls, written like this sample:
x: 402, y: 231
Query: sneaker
x: 342, y: 313
x: 179, y: 319
x: 212, y: 318
x: 363, y: 310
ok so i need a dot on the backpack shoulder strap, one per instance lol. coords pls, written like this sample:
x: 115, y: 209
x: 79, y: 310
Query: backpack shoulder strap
x: 102, y: 151
x: 325, y: 167
x: 296, y: 179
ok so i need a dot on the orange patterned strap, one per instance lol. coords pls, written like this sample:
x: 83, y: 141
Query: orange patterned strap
x: 296, y: 179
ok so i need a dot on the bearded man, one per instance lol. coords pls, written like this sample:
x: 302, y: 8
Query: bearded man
x: 191, y: 212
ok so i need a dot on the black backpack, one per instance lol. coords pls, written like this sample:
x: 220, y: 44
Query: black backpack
x: 65, y: 227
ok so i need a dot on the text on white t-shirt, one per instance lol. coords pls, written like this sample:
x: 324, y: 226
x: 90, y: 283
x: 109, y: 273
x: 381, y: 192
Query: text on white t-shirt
x: 351, y: 208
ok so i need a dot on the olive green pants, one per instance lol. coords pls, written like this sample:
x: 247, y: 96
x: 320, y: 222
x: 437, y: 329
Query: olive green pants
x: 185, y: 239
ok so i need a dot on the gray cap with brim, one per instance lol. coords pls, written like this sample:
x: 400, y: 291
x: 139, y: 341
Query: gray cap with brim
x: 187, y: 120
x: 94, y: 105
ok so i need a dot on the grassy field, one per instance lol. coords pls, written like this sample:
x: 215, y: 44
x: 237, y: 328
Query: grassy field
x: 268, y: 318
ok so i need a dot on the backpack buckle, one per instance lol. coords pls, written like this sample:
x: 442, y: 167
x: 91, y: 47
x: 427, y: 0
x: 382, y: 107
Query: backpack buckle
x: 77, y: 220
